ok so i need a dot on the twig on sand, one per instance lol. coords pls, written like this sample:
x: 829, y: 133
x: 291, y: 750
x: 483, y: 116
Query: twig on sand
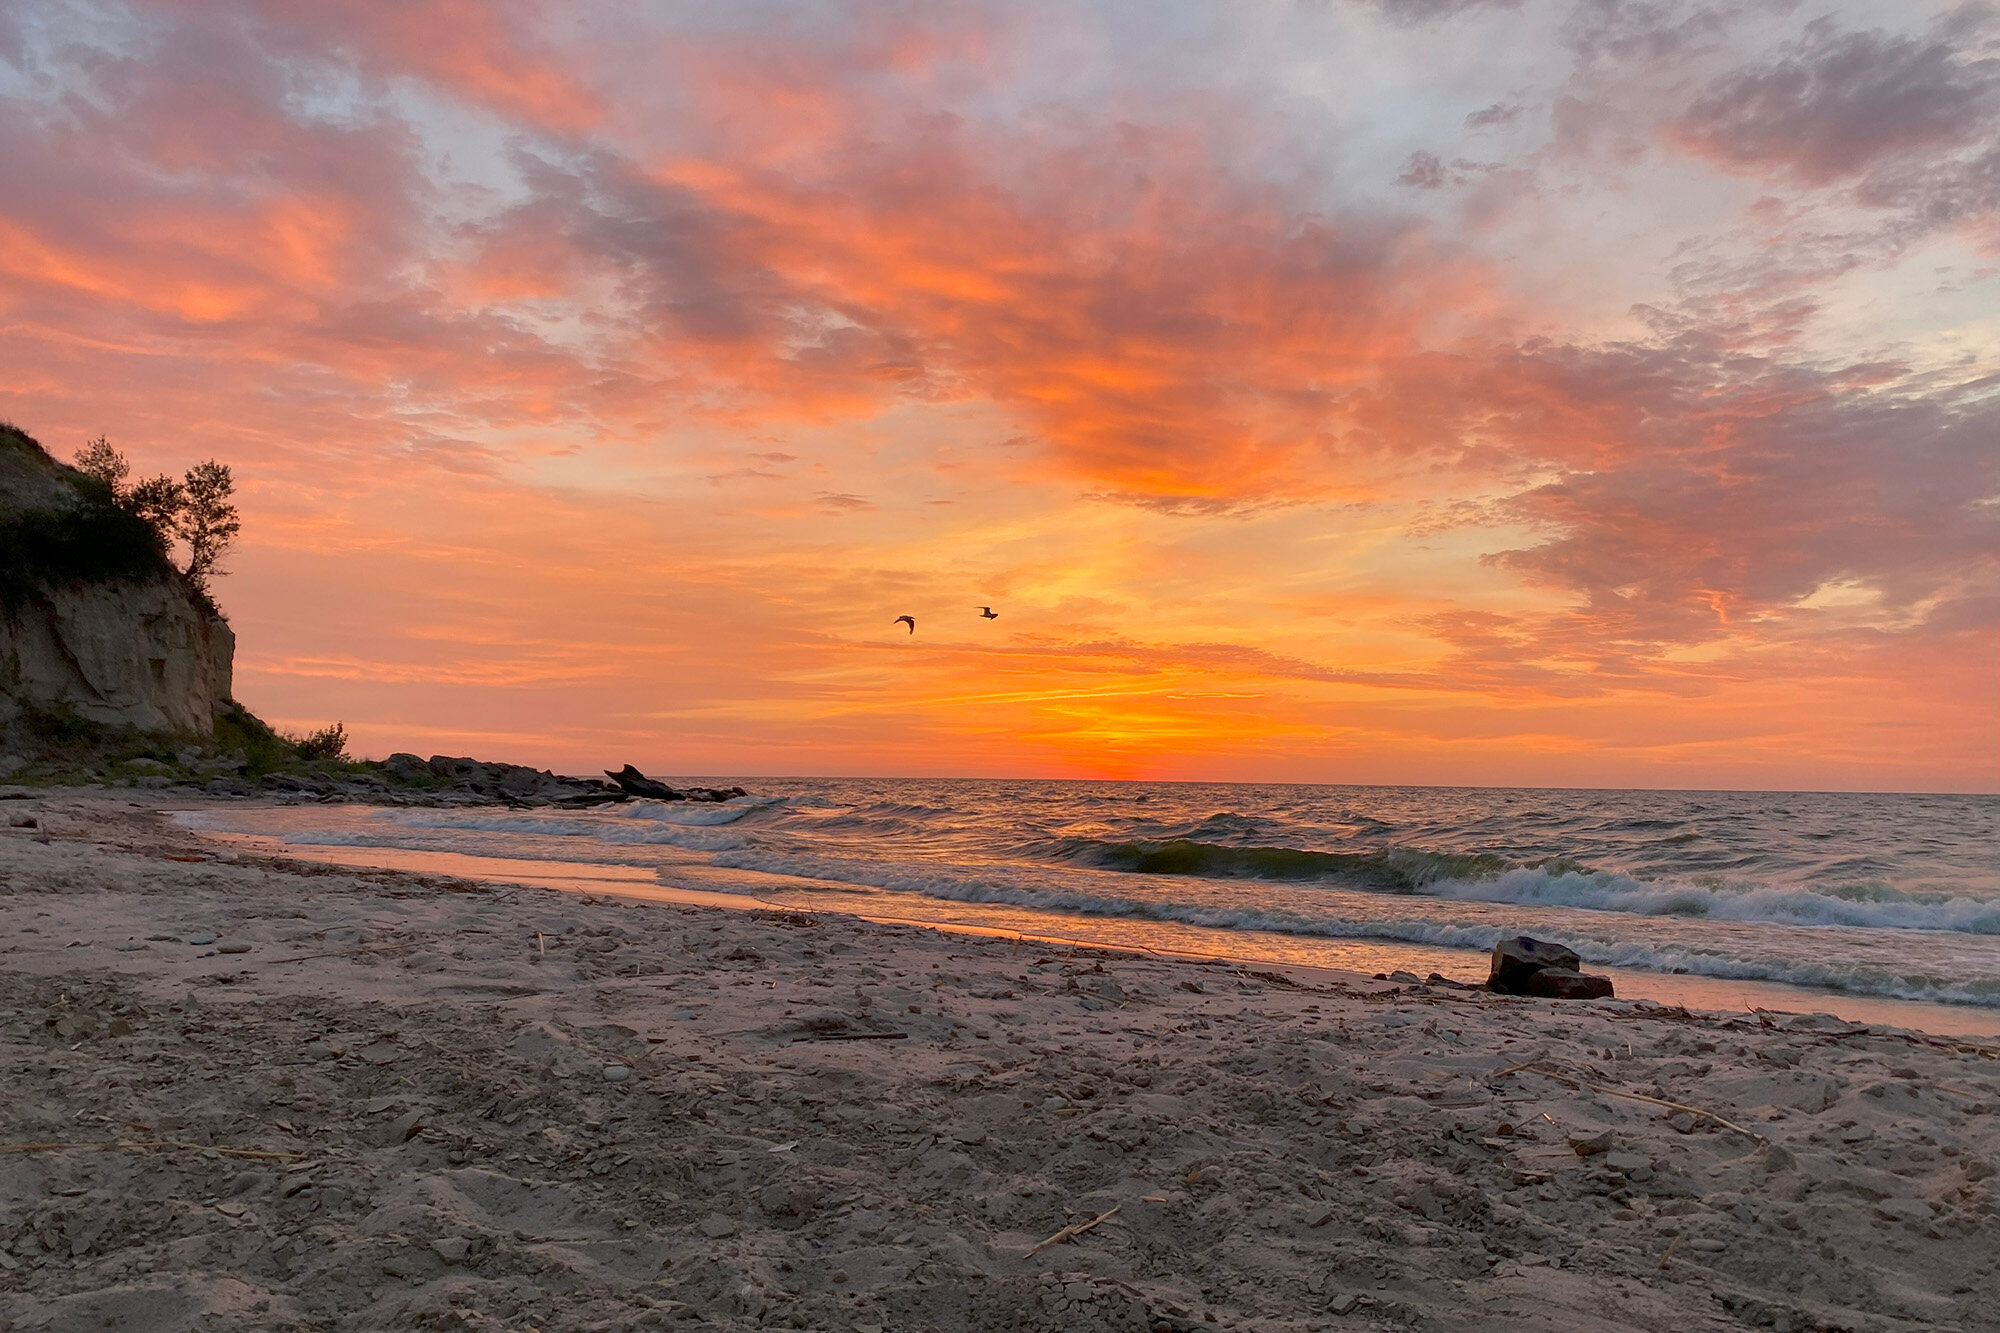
x: 1072, y: 1231
x: 852, y: 1036
x: 161, y: 1145
x: 1760, y: 1140
x: 1672, y: 1245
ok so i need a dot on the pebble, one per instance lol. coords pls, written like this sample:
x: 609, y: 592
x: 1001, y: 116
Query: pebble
x: 202, y: 939
x: 232, y: 948
x: 616, y: 1073
x: 452, y: 1249
x: 1904, y: 1210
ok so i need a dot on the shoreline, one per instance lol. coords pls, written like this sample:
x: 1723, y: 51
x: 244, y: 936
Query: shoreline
x: 278, y: 1094
x: 1362, y: 956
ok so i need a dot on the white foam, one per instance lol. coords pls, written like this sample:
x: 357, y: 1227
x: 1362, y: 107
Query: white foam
x: 1003, y: 885
x: 1784, y: 906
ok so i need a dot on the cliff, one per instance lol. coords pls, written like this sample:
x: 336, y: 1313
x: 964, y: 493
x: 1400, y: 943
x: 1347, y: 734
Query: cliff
x: 95, y: 622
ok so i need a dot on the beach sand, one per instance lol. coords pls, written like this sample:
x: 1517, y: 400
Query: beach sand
x: 476, y: 1106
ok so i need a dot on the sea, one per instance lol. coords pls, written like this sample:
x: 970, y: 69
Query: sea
x: 1876, y: 908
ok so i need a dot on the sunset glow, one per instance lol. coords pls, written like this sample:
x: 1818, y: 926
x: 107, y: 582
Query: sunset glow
x: 1419, y: 391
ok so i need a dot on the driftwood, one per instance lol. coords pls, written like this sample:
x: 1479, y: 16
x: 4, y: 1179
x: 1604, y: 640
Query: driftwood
x: 853, y: 1036
x: 1071, y: 1232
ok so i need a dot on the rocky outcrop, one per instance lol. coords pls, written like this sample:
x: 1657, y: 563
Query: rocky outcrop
x: 94, y: 621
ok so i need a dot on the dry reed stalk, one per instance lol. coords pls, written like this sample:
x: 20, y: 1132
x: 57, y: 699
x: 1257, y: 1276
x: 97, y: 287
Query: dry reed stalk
x: 1071, y: 1232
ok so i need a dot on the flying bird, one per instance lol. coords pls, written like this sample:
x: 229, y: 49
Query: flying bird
x: 988, y: 613
x: 911, y: 621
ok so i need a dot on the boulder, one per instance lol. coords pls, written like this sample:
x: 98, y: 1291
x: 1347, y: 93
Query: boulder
x: 1563, y: 983
x: 408, y: 767
x: 638, y: 784
x: 1517, y: 959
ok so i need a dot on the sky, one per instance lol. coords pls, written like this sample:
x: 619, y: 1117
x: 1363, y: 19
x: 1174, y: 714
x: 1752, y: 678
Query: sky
x: 1407, y: 391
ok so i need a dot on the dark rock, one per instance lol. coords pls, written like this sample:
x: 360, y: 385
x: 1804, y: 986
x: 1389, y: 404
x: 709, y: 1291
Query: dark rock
x: 1562, y: 983
x: 1517, y: 959
x: 635, y: 783
x: 407, y: 767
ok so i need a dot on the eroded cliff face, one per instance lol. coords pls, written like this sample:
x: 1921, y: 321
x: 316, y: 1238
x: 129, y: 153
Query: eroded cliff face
x: 140, y: 654
x: 94, y: 621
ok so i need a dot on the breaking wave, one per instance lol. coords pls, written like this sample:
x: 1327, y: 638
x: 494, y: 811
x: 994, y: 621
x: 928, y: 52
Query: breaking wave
x: 1483, y: 877
x: 1002, y: 885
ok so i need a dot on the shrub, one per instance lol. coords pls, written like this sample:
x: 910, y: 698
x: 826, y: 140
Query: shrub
x: 326, y: 743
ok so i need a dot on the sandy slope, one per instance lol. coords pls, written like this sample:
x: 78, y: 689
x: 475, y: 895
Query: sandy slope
x: 509, y: 1108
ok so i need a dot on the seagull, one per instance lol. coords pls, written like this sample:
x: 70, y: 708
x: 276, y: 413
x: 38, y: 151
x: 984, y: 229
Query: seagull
x: 911, y: 621
x: 988, y: 613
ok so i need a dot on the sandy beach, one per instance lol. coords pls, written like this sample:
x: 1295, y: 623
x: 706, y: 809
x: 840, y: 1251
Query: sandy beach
x: 245, y: 1093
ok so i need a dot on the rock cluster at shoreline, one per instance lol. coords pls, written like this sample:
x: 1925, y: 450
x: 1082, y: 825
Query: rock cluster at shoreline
x: 402, y: 779
x: 293, y: 1097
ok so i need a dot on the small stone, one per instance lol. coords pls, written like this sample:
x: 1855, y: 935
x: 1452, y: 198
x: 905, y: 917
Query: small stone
x: 1682, y: 1122
x: 1856, y: 1134
x: 1778, y: 1157
x: 232, y: 948
x: 406, y: 1265
x: 715, y: 1226
x: 201, y: 939
x: 1053, y: 1103
x: 452, y: 1249
x: 1344, y: 1303
x: 1595, y: 1144
x: 1626, y: 1162
x: 1707, y: 1245
x: 616, y: 1073
x: 381, y: 1053
x: 1904, y: 1210
x: 405, y: 1127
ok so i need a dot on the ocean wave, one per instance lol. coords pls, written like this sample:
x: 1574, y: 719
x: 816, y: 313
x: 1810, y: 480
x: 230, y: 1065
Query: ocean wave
x: 695, y: 836
x: 1558, y: 882
x: 1873, y: 905
x: 1398, y: 870
x: 997, y: 885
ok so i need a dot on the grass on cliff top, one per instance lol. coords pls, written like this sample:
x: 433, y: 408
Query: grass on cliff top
x: 88, y: 540
x: 63, y: 749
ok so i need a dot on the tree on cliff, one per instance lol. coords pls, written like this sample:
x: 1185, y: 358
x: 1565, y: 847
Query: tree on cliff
x: 196, y: 509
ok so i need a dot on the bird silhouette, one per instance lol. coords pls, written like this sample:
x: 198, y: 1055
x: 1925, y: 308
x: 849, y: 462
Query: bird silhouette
x: 988, y: 613
x: 911, y: 621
